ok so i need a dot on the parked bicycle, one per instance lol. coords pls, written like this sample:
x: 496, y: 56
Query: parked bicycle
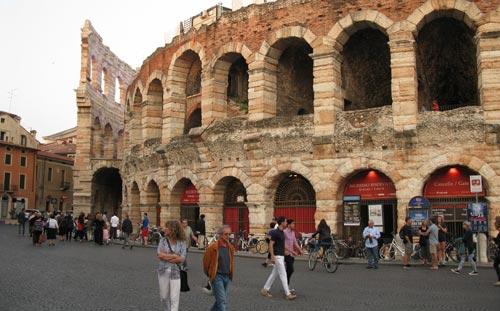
x: 213, y: 239
x: 329, y: 258
x: 389, y: 251
x: 305, y: 242
x: 248, y: 243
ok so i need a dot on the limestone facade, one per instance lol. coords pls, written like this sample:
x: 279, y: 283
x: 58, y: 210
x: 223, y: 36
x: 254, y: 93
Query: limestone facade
x: 260, y: 148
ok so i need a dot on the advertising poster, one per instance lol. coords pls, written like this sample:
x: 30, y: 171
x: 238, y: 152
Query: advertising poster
x: 375, y: 214
x: 477, y: 214
x: 418, y: 215
x: 351, y: 214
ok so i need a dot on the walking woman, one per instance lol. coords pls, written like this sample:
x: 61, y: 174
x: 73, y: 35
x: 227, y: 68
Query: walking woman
x: 443, y: 231
x: 98, y: 229
x: 171, y: 252
x: 52, y: 230
x: 496, y: 263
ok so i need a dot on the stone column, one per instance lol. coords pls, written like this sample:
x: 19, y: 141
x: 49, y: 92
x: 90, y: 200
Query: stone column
x: 174, y: 115
x: 262, y: 88
x: 404, y: 81
x: 260, y: 215
x: 213, y: 95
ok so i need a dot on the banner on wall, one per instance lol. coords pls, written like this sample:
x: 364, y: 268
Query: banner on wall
x: 191, y: 195
x: 352, y: 214
x: 418, y: 215
x: 477, y: 215
x: 375, y: 213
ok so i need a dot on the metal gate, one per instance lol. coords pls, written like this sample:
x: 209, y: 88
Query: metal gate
x: 235, y: 208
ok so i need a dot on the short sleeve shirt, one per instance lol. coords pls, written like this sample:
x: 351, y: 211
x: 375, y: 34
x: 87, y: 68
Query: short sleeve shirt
x: 289, y: 238
x: 279, y: 242
x: 433, y: 235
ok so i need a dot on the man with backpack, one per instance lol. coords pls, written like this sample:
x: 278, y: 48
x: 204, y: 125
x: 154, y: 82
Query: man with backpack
x: 406, y: 234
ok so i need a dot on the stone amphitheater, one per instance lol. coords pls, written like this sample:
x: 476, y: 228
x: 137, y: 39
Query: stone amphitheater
x: 313, y: 109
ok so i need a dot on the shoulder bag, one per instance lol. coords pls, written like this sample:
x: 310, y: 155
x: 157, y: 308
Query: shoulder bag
x: 182, y: 272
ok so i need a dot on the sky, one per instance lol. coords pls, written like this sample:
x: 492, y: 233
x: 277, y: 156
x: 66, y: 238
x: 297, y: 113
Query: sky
x: 40, y: 49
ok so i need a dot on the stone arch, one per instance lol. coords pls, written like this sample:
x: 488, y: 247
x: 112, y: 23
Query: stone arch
x: 135, y: 203
x: 150, y: 200
x: 97, y: 138
x: 362, y: 39
x: 267, y: 49
x: 152, y: 109
x: 109, y: 145
x: 271, y: 178
x: 183, y: 174
x: 462, y: 10
x: 353, y: 166
x: 136, y: 116
x: 230, y: 172
x: 177, y: 100
x: 159, y: 75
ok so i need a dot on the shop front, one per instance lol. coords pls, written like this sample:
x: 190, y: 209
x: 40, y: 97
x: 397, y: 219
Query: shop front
x: 235, y: 208
x: 190, y: 208
x: 449, y: 193
x: 369, y: 195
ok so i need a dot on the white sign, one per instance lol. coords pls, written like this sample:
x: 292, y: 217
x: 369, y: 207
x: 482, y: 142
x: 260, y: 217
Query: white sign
x: 375, y: 214
x: 476, y: 184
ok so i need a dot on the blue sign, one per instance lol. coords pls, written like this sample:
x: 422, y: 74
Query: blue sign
x: 419, y: 202
x: 53, y: 201
x: 477, y: 215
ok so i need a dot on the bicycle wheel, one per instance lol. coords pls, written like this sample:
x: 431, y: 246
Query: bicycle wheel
x: 341, y: 250
x: 252, y: 245
x: 262, y: 247
x: 331, y: 261
x: 387, y: 252
x: 313, y: 259
x: 453, y: 253
x: 155, y: 238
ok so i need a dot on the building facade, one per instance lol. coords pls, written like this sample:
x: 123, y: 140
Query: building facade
x: 314, y: 109
x: 18, y: 149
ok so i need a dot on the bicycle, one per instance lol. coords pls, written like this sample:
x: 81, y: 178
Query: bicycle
x: 305, y: 242
x: 388, y: 251
x: 452, y: 249
x: 247, y: 244
x: 329, y: 259
x: 213, y: 239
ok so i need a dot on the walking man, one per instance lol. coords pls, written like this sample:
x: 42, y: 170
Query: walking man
x: 468, y: 243
x: 433, y: 234
x: 277, y: 250
x: 218, y: 266
x: 189, y: 237
x: 407, y: 235
x: 127, y: 230
x: 292, y: 248
x: 21, y: 218
x: 114, y: 226
x: 371, y: 234
x: 201, y: 229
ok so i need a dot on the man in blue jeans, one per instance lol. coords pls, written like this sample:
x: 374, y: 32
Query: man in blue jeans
x: 371, y: 236
x: 218, y: 266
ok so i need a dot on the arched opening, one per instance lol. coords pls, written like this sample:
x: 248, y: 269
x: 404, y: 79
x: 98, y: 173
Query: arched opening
x: 4, y: 210
x: 152, y: 203
x: 104, y: 82
x: 296, y: 199
x: 237, y: 83
x: 136, y: 116
x: 366, y: 70
x: 135, y: 204
x: 107, y: 191
x: 119, y: 144
x: 369, y: 195
x: 235, y: 208
x: 294, y: 78
x: 446, y: 64
x: 190, y: 63
x: 118, y: 90
x: 448, y: 191
x: 194, y: 120
x: 109, y: 143
x: 189, y: 202
x: 152, y: 111
x: 97, y: 140
x: 92, y: 77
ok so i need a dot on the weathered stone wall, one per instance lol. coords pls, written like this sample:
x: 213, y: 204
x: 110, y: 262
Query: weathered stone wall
x: 330, y: 145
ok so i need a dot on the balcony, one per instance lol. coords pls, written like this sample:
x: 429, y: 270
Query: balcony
x: 65, y: 185
x: 9, y: 188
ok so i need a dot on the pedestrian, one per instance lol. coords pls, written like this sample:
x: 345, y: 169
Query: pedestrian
x: 424, y: 242
x: 31, y: 221
x: 272, y: 226
x: 292, y: 249
x: 218, y: 265
x: 69, y: 226
x: 127, y: 230
x: 435, y: 105
x: 21, y: 219
x: 145, y: 229
x: 201, y: 230
x: 468, y: 250
x: 37, y: 229
x: 443, y: 231
x: 98, y: 229
x: 52, y: 228
x: 105, y: 216
x: 188, y: 233
x: 406, y: 233
x: 496, y: 262
x: 277, y: 249
x: 115, y: 221
x: 371, y: 234
x: 90, y: 227
x: 433, y: 234
x: 171, y: 252
x: 80, y: 225
x: 105, y: 234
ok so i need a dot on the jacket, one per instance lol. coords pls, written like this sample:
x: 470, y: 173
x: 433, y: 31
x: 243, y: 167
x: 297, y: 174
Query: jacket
x: 127, y: 226
x: 211, y: 260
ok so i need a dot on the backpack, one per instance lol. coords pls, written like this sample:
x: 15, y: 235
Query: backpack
x: 402, y: 233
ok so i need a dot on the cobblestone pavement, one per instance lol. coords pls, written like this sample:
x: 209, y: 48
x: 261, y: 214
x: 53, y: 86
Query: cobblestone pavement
x: 82, y: 276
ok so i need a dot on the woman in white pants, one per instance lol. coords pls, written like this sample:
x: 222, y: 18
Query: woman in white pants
x: 171, y: 253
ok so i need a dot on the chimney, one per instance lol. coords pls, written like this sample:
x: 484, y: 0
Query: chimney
x: 237, y: 4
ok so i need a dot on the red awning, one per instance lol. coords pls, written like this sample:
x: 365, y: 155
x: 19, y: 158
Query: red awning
x: 370, y: 185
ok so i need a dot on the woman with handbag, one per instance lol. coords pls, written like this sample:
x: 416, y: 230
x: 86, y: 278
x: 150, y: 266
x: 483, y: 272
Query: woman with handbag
x: 171, y: 253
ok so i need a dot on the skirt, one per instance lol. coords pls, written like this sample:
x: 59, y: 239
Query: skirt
x: 51, y: 233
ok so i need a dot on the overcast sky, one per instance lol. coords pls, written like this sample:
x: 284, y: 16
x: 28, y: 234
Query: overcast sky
x: 40, y: 49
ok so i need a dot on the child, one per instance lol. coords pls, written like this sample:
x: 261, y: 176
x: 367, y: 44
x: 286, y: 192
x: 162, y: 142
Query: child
x: 468, y: 244
x: 105, y: 235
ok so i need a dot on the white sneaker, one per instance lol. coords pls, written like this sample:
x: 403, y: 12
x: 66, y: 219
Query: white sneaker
x: 473, y: 273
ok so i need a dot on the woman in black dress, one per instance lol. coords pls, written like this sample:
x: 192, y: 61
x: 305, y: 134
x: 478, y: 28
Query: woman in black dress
x: 496, y: 263
x: 98, y: 229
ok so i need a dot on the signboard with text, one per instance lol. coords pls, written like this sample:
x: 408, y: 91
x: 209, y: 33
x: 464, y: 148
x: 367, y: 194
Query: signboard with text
x: 370, y: 185
x: 477, y: 214
x: 191, y: 195
x: 452, y: 183
x: 375, y: 213
x: 352, y: 215
x: 476, y: 184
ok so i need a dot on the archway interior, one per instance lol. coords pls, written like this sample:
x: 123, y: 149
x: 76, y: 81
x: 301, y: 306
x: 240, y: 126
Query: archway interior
x: 109, y: 143
x: 189, y: 202
x: 193, y: 121
x: 296, y: 199
x: 294, y: 78
x: 135, y: 204
x: 97, y: 140
x: 237, y: 81
x: 152, y: 201
x: 136, y: 116
x: 366, y: 70
x: 190, y: 63
x: 107, y: 191
x: 235, y: 209
x: 448, y: 191
x: 446, y: 63
x: 153, y: 110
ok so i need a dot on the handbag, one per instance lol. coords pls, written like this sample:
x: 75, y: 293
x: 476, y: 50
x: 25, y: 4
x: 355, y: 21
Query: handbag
x: 182, y: 272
